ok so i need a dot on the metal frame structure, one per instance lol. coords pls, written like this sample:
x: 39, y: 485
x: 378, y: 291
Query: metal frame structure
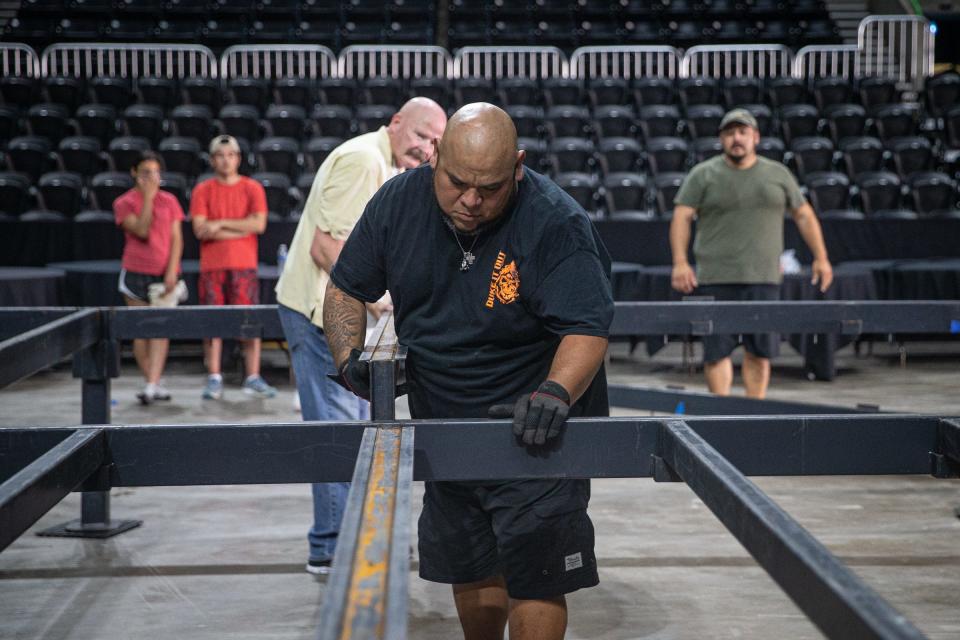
x: 368, y: 592
x: 737, y: 60
x: 91, y: 59
x: 278, y: 61
x: 510, y: 62
x: 625, y: 62
x: 394, y: 61
x: 19, y: 60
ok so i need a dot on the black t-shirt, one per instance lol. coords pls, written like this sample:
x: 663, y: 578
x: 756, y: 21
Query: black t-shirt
x: 487, y: 335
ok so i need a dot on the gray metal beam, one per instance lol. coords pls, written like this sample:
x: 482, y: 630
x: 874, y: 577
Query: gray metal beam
x: 46, y: 345
x: 17, y: 320
x: 831, y: 595
x: 35, y: 489
x: 696, y: 403
x: 182, y: 323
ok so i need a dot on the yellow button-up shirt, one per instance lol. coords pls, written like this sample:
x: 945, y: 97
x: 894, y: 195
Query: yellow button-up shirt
x: 344, y: 184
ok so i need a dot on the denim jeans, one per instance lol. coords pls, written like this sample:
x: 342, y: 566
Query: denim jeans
x: 320, y: 399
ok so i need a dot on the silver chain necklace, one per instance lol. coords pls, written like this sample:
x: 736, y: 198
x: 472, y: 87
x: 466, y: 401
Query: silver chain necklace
x: 468, y: 257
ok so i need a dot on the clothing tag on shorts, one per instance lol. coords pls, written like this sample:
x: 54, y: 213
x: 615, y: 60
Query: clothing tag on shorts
x: 572, y: 562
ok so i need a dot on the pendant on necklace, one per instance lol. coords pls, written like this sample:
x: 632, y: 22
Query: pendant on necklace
x: 468, y: 260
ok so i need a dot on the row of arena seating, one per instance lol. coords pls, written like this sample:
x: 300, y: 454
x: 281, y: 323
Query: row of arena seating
x: 620, y: 195
x: 871, y: 93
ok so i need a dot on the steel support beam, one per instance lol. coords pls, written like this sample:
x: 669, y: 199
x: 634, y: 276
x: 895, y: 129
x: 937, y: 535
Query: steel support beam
x: 367, y: 594
x: 17, y: 320
x: 46, y: 345
x: 832, y: 596
x: 35, y: 489
x: 184, y: 323
x: 679, y: 401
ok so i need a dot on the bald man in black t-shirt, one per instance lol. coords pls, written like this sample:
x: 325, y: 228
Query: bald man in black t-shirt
x: 502, y: 294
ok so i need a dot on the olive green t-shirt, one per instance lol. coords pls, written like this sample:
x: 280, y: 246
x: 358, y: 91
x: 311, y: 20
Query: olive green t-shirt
x: 739, y: 219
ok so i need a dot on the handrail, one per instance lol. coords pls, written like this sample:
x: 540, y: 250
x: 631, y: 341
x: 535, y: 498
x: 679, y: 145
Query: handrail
x: 393, y: 61
x: 18, y: 59
x: 636, y: 61
x: 510, y: 62
x: 91, y: 59
x: 278, y: 61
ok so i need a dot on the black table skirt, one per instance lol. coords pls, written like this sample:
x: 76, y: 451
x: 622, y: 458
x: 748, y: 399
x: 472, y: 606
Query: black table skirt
x: 31, y: 287
x: 93, y: 283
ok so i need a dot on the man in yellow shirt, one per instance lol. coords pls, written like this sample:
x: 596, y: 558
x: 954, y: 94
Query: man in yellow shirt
x: 346, y: 180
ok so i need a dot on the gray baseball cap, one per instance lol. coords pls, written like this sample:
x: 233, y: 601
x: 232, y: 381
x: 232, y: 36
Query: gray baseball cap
x: 738, y: 116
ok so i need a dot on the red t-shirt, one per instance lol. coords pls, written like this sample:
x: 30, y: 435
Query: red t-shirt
x: 148, y: 256
x: 217, y: 201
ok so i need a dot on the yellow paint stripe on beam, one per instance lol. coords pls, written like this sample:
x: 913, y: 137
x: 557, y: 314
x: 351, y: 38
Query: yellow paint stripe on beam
x: 366, y: 604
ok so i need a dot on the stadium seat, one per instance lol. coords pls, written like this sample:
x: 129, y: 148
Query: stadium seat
x: 42, y: 216
x: 518, y: 91
x: 125, y: 151
x: 879, y: 192
x: 618, y: 155
x: 911, y: 154
x: 279, y: 155
x: 785, y: 90
x: 697, y: 90
x: 658, y: 121
x: 845, y: 121
x: 192, y: 121
x: 332, y: 120
x: 111, y: 90
x: 145, y: 121
x: 61, y: 191
x: 249, y: 91
x: 383, y: 91
x: 339, y: 91
x: 895, y: 121
x: 842, y: 214
x: 98, y: 121
x: 608, y: 91
x: 703, y: 120
x: 286, y: 120
x: 15, y: 195
x: 706, y: 148
x: 202, y: 91
x: 650, y: 90
x: 536, y: 154
x: 613, y: 121
x: 741, y: 90
x: 861, y: 155
x: 799, y: 121
x: 277, y: 187
x: 65, y: 90
x: 952, y: 127
x: 294, y: 91
x: 667, y: 155
x: 370, y: 117
x: 94, y: 215
x: 176, y: 184
x: 941, y: 92
x: 564, y: 121
x: 437, y: 89
x: 771, y: 147
x: 832, y: 90
x: 582, y: 187
x: 468, y: 90
x: 240, y: 120
x: 81, y: 154
x: 29, y: 155
x: 877, y: 91
x: 572, y: 155
x: 305, y: 183
x: 19, y: 90
x: 182, y: 155
x: 317, y: 150
x: 666, y: 186
x: 560, y: 91
x: 626, y: 192
x: 50, y: 121
x: 9, y: 121
x: 527, y: 118
x: 828, y: 191
x: 162, y: 92
x: 811, y: 154
x: 933, y: 193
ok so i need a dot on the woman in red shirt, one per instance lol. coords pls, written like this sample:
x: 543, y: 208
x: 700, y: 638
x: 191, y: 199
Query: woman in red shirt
x: 150, y: 219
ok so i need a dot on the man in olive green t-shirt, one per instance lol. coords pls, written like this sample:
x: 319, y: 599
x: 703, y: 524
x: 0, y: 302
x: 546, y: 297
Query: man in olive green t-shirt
x: 739, y: 200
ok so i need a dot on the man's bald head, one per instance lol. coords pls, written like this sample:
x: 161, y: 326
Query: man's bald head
x: 481, y: 135
x: 477, y: 167
x: 413, y: 129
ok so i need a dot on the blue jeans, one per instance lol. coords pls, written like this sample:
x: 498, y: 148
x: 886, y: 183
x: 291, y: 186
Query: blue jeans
x: 320, y: 399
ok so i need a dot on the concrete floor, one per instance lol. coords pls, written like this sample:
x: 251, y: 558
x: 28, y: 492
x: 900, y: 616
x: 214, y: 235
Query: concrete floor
x: 227, y: 562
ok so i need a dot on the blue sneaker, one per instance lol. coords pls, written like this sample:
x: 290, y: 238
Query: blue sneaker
x: 213, y: 390
x: 257, y: 386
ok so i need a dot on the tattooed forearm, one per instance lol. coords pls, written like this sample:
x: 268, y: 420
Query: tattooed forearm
x: 344, y: 323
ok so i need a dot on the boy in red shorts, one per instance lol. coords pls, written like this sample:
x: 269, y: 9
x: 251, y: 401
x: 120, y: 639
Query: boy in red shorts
x: 228, y: 212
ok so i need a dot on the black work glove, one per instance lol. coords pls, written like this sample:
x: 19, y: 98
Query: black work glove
x: 537, y: 417
x: 355, y: 375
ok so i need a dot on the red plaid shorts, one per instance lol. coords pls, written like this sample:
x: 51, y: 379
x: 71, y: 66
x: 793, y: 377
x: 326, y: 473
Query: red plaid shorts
x: 229, y: 286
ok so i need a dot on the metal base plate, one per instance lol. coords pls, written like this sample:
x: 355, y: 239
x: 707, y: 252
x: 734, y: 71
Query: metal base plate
x: 76, y: 529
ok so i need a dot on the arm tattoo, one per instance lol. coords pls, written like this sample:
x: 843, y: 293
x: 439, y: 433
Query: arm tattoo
x: 344, y: 323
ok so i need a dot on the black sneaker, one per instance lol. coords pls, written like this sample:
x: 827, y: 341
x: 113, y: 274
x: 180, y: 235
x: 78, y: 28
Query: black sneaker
x: 318, y: 567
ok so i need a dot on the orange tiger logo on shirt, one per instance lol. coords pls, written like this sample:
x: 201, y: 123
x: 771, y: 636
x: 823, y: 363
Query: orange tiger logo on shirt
x: 504, y: 281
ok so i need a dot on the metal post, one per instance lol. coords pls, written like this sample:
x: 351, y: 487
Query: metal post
x: 95, y: 366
